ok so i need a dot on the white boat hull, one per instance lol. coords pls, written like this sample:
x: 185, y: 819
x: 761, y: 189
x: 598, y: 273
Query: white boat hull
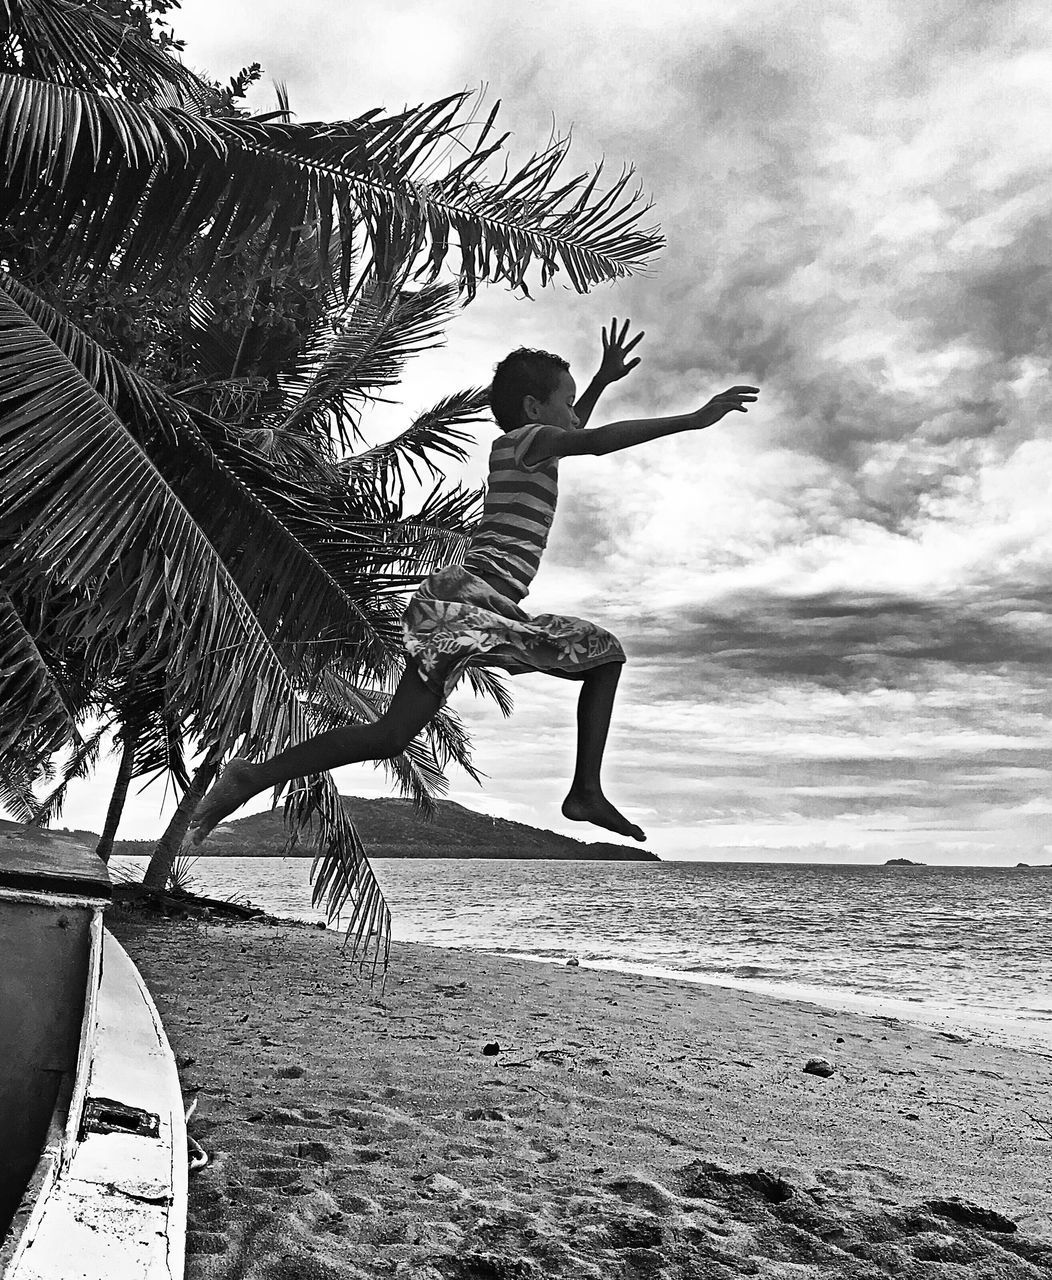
x: 107, y: 1197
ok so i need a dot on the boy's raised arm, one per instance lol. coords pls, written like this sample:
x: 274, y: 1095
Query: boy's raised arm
x: 612, y: 368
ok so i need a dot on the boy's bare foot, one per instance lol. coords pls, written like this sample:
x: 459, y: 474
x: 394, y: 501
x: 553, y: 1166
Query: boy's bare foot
x: 594, y: 807
x: 236, y: 784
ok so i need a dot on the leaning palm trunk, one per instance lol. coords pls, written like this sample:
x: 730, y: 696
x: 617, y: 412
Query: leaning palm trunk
x: 167, y: 850
x: 125, y: 772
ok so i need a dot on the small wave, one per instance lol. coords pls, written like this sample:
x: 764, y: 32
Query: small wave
x: 735, y: 970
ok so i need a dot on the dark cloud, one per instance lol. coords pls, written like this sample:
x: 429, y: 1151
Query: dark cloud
x: 997, y: 298
x: 856, y: 642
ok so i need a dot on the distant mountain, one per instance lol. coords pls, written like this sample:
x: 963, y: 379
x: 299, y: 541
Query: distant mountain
x: 90, y: 838
x: 392, y: 828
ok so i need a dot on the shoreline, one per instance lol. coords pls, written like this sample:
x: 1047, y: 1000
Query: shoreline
x: 1011, y: 1026
x: 626, y: 1125
x: 1028, y: 1029
x: 971, y: 1022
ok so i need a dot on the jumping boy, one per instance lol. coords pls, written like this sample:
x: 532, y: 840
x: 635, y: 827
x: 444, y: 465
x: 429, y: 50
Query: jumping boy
x: 470, y: 615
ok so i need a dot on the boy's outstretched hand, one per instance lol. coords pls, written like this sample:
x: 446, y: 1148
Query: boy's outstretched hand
x: 614, y: 365
x: 736, y: 398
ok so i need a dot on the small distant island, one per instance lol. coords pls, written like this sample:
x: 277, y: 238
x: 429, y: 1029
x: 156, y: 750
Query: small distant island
x: 904, y: 862
x: 393, y: 828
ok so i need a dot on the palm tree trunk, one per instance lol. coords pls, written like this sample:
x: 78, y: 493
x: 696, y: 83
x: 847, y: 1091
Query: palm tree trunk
x: 130, y: 738
x: 167, y: 850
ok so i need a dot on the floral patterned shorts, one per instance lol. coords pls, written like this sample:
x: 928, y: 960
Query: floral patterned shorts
x: 456, y: 620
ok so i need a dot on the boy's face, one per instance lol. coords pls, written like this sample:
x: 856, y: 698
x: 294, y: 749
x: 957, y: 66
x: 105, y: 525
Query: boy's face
x: 557, y: 410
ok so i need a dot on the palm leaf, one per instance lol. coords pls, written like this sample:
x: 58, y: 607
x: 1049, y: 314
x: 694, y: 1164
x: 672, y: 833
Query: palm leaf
x: 435, y: 535
x: 172, y: 178
x: 437, y: 433
x: 140, y: 699
x: 16, y: 789
x: 310, y: 555
x: 365, y: 349
x: 34, y: 706
x: 134, y: 397
x: 249, y: 513
x: 361, y: 534
x: 81, y: 763
x: 92, y: 504
x: 490, y: 684
x: 83, y: 46
x: 340, y: 872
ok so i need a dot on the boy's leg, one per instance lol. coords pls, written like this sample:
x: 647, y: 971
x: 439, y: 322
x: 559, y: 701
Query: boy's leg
x: 412, y: 708
x: 585, y: 801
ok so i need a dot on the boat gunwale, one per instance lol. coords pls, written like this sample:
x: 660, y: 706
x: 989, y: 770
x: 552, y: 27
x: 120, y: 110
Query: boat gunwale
x: 53, y: 898
x: 64, y: 1125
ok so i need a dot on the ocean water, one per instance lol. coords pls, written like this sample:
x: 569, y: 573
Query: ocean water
x: 965, y: 949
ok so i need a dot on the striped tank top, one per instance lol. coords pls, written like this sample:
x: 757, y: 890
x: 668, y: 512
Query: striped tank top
x: 506, y: 547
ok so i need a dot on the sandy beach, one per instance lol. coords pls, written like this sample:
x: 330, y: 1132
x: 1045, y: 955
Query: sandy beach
x: 484, y: 1118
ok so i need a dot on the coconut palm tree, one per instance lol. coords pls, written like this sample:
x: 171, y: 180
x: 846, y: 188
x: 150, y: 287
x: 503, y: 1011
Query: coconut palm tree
x: 352, y: 515
x: 262, y: 557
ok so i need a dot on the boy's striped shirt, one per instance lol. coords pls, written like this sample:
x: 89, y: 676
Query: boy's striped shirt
x: 517, y: 514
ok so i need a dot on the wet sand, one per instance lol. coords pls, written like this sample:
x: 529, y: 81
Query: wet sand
x: 484, y: 1118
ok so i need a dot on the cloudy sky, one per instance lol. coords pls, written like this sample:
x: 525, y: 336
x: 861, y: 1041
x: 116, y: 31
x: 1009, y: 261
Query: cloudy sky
x: 836, y: 609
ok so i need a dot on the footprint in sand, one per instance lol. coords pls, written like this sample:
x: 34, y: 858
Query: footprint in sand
x: 484, y: 1113
x: 289, y: 1117
x: 641, y: 1232
x: 206, y: 1231
x: 316, y: 1152
x: 357, y: 1204
x: 277, y: 1172
x: 367, y: 1155
x: 644, y: 1192
x: 857, y: 1236
x: 284, y: 1170
x: 868, y: 1178
x: 544, y: 1153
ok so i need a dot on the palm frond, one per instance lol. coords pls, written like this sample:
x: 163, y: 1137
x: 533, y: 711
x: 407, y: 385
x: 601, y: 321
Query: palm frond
x: 212, y: 344
x: 81, y: 763
x: 435, y: 535
x: 490, y: 684
x: 32, y: 696
x: 268, y: 309
x: 82, y: 46
x: 159, y: 748
x: 172, y: 178
x: 16, y: 788
x: 450, y: 743
x: 97, y: 514
x: 134, y: 397
x: 308, y: 554
x: 436, y: 433
x: 365, y: 350
x: 340, y: 872
x: 253, y: 516
x: 360, y: 533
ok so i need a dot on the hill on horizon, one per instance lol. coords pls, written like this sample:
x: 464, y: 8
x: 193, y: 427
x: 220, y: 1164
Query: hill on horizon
x: 391, y: 827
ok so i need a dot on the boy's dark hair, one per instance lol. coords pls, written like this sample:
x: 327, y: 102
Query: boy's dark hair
x: 523, y: 373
